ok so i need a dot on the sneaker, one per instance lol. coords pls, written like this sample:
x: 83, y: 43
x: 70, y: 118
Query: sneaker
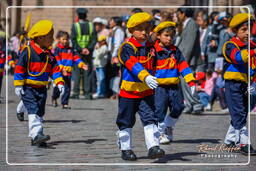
x: 246, y: 149
x: 128, y: 155
x: 40, y: 145
x: 95, y: 96
x: 163, y: 139
x: 54, y: 103
x: 155, y: 152
x: 66, y: 107
x: 20, y: 116
x: 39, y: 139
x: 208, y: 107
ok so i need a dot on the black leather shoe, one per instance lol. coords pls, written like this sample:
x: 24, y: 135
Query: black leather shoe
x: 66, y: 107
x: 245, y: 150
x: 128, y: 155
x: 40, y: 145
x: 155, y: 152
x: 39, y: 139
x: 20, y: 116
x: 74, y: 96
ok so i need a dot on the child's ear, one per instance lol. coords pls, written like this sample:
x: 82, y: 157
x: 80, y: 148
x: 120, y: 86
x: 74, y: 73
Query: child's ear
x: 157, y: 35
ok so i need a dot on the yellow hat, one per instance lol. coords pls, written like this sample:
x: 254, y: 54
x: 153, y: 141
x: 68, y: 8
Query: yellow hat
x: 239, y: 19
x: 101, y: 38
x: 164, y: 25
x: 138, y: 18
x: 41, y: 28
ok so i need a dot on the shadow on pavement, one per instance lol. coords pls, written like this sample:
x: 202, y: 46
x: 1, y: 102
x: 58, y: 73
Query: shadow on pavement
x: 196, y: 141
x: 177, y: 156
x: 60, y: 121
x: 87, y: 108
x: 89, y: 141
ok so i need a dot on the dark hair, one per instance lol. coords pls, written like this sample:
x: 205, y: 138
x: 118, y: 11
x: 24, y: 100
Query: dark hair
x: 136, y: 10
x: 117, y: 20
x: 61, y: 34
x: 168, y: 29
x: 189, y: 12
x: 154, y: 11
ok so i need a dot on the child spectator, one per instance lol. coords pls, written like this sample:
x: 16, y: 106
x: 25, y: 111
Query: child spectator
x: 100, y: 56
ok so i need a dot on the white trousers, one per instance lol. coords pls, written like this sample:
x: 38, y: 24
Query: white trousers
x: 21, y: 107
x: 35, y: 125
x: 151, y: 135
x: 237, y: 136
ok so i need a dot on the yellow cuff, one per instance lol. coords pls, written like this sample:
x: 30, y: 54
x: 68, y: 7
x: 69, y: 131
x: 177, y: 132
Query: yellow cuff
x: 61, y: 67
x: 245, y: 54
x: 142, y: 75
x: 57, y: 80
x: 81, y: 64
x: 68, y: 68
x: 19, y: 82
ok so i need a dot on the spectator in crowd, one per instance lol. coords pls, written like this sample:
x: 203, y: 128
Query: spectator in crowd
x: 166, y: 16
x: 84, y: 37
x: 116, y: 38
x: 156, y: 13
x: 189, y: 45
x: 100, y: 27
x: 136, y: 10
x: 100, y: 55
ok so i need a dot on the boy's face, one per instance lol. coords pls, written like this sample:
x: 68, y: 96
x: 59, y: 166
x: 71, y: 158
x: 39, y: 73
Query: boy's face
x: 64, y: 40
x: 141, y: 32
x: 47, y: 40
x: 165, y: 38
x: 243, y: 33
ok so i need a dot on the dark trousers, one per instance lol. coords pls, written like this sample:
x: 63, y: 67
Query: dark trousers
x: 87, y: 76
x: 237, y: 102
x: 168, y: 96
x: 218, y: 93
x: 34, y: 100
x: 127, y: 108
x: 67, y: 86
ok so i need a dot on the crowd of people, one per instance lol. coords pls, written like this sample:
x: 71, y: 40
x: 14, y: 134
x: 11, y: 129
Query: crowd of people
x: 179, y: 60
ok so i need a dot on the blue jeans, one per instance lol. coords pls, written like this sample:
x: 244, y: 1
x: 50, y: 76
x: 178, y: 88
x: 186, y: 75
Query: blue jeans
x: 204, y: 98
x: 101, y: 85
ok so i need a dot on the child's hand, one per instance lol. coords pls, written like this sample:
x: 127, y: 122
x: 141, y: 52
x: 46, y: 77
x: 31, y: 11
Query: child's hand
x: 64, y: 72
x: 85, y: 51
x: 13, y: 65
x: 85, y: 67
x: 114, y: 60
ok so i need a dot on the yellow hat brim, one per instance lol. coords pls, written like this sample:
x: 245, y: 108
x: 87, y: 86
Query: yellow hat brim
x: 138, y: 18
x: 239, y: 19
x: 163, y: 25
x: 41, y: 28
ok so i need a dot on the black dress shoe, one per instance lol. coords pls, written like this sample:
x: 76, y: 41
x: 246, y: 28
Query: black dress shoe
x: 245, y: 150
x: 40, y: 145
x: 66, y: 107
x: 74, y: 96
x: 20, y: 116
x: 128, y: 155
x: 155, y: 152
x: 39, y: 139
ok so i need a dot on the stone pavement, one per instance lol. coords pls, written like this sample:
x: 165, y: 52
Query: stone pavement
x: 86, y: 135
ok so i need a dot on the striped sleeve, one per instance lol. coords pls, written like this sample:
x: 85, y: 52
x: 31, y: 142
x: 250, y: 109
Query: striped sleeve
x: 56, y: 73
x: 132, y: 63
x: 20, y: 72
x: 78, y: 61
x: 236, y: 56
x: 184, y: 69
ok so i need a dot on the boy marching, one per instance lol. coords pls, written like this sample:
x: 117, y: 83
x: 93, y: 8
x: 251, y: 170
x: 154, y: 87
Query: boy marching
x: 32, y: 71
x: 136, y: 91
x: 170, y: 64
x: 236, y: 55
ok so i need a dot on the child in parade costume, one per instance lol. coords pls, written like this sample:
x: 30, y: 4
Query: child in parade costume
x: 66, y: 58
x: 170, y: 64
x: 136, y: 90
x: 236, y: 55
x: 32, y: 71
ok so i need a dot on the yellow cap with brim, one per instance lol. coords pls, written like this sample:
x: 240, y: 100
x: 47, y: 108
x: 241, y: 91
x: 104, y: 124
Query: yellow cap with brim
x: 239, y: 19
x: 163, y: 25
x: 101, y: 38
x: 138, y: 18
x: 41, y: 28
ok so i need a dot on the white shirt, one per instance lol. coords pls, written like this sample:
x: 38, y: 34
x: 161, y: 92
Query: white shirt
x: 118, y: 40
